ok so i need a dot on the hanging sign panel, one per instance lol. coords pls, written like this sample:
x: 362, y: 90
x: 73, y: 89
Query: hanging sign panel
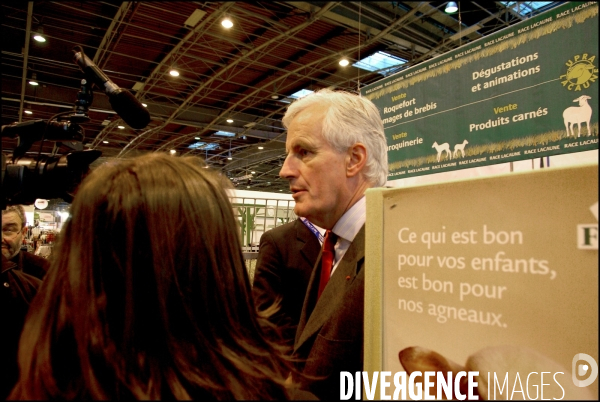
x: 528, y: 91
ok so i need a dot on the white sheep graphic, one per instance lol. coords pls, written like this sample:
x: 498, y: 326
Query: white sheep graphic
x: 441, y: 148
x: 578, y: 114
x: 461, y: 148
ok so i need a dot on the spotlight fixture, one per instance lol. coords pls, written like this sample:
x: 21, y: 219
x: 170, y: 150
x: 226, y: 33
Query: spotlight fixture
x: 33, y: 80
x: 105, y: 142
x: 174, y: 73
x: 120, y: 127
x: 451, y: 7
x: 172, y: 152
x: 229, y: 120
x: 274, y: 96
x: 144, y: 105
x: 39, y: 35
x: 344, y: 62
x: 27, y: 112
x: 261, y: 147
x: 227, y: 23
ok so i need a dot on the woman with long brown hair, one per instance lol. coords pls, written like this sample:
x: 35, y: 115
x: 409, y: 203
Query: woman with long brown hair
x: 148, y: 296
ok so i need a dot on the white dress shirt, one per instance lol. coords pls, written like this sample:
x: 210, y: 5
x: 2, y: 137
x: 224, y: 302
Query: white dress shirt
x: 347, y: 227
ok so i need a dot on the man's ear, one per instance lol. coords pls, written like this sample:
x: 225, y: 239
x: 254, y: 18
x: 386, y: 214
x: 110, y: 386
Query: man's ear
x: 356, y: 159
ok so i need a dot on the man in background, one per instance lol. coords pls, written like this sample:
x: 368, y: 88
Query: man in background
x: 21, y: 277
x: 13, y: 231
x: 286, y: 257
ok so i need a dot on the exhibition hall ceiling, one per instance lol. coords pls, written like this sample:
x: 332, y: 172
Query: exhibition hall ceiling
x: 234, y: 84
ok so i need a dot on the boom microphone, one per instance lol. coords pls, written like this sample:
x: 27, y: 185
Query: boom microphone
x: 121, y: 100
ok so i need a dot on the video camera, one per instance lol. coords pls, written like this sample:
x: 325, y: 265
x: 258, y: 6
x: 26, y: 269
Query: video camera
x: 27, y: 178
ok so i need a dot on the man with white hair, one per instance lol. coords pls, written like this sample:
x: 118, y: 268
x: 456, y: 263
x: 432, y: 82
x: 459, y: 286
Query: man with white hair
x: 336, y: 150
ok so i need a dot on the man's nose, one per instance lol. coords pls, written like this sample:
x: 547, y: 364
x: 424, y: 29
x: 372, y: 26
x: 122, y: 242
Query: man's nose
x: 287, y: 170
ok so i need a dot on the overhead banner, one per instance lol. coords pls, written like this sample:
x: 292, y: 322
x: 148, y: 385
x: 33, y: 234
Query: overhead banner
x: 528, y: 91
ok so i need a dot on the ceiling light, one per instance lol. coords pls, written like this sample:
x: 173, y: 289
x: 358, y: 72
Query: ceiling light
x: 174, y: 73
x: 33, y: 79
x: 39, y: 35
x: 274, y: 96
x: 253, y: 172
x: 144, y: 105
x: 172, y: 152
x: 261, y: 147
x: 344, y: 62
x: 28, y: 112
x: 105, y: 142
x: 280, y: 190
x: 196, y: 138
x: 451, y: 7
x: 229, y: 158
x: 227, y: 23
x: 229, y: 120
x: 120, y: 127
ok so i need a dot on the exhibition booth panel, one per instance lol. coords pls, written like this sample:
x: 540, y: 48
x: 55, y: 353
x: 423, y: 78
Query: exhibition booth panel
x: 497, y: 275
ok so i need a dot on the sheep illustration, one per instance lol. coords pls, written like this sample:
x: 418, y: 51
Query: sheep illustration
x: 510, y: 359
x: 578, y: 114
x: 441, y: 148
x: 461, y: 148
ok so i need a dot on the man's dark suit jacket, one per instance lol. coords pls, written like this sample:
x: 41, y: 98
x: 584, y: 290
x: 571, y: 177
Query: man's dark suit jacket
x: 286, y: 258
x: 18, y: 290
x: 330, y: 333
x: 31, y: 264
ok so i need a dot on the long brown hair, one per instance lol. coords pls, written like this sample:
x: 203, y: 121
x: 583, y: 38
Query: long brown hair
x: 148, y: 296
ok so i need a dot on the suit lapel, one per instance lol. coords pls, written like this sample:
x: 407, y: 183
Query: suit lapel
x: 305, y: 236
x: 334, y: 292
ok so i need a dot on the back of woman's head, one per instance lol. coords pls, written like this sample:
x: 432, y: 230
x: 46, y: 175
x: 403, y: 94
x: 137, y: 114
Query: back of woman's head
x: 148, y: 296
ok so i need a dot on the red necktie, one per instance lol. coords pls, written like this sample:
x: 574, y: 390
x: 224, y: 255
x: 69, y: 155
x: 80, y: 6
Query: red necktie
x: 327, y: 259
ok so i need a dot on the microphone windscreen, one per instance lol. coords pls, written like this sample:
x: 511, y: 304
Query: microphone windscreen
x: 129, y: 109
